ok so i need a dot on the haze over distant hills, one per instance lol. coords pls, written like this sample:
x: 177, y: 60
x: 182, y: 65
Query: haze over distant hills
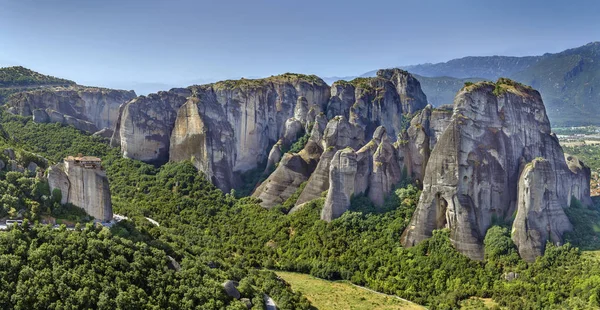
x: 569, y: 81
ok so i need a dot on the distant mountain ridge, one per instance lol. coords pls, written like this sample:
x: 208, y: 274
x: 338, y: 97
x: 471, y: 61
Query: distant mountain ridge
x: 487, y: 67
x: 569, y: 81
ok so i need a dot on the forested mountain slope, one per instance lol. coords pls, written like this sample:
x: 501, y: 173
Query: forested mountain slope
x: 203, y: 228
x: 16, y: 79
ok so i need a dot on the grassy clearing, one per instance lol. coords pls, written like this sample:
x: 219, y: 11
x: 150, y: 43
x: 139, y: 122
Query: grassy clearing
x: 326, y: 295
x: 592, y: 254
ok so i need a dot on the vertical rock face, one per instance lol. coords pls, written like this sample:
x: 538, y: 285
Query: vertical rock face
x: 84, y: 186
x: 258, y: 110
x: 579, y: 180
x: 378, y: 104
x: 342, y: 98
x: 408, y: 88
x: 294, y: 169
x: 231, y: 127
x: 378, y: 101
x: 386, y: 171
x: 342, y: 172
x: 358, y: 109
x: 86, y: 108
x: 385, y: 100
x: 206, y: 141
x: 422, y: 135
x: 474, y: 169
x: 143, y: 130
x: 376, y: 172
x: 338, y: 134
x: 540, y: 215
x: 234, y: 126
x: 58, y: 179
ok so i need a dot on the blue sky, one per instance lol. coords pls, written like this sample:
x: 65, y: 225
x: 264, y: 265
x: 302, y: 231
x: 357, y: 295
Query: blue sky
x: 120, y: 43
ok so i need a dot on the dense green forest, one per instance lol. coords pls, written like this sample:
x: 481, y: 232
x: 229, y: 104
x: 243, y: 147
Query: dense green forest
x: 218, y: 236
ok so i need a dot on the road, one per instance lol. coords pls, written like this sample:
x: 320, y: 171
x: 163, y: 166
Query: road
x: 116, y: 218
x: 153, y: 221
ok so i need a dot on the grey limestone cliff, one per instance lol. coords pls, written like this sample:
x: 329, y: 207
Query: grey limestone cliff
x: 373, y: 170
x: 143, y: 129
x: 474, y: 171
x: 231, y: 127
x: 383, y: 100
x: 540, y: 215
x: 226, y: 128
x: 82, y: 182
x: 420, y: 138
x: 86, y: 108
x: 357, y: 110
x: 342, y: 172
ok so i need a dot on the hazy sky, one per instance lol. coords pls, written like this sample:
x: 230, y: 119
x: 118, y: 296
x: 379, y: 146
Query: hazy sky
x: 115, y: 42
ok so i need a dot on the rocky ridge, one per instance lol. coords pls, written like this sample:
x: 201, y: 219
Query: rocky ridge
x: 356, y: 111
x: 498, y: 156
x: 86, y: 108
x: 230, y: 127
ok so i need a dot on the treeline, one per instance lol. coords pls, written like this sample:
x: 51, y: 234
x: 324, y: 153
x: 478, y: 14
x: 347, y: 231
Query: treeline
x: 20, y: 76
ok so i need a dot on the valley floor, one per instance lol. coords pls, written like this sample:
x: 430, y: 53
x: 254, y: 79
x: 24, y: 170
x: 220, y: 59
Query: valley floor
x: 328, y: 295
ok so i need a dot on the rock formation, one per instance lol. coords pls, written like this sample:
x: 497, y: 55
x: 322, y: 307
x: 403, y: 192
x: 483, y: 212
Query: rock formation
x: 83, y: 182
x: 293, y: 169
x: 422, y: 135
x: 231, y: 289
x: 540, y: 215
x: 233, y: 127
x: 230, y: 127
x: 143, y: 129
x: 358, y: 109
x: 342, y: 172
x: 315, y: 156
x: 373, y: 170
x: 379, y: 168
x: 579, y: 180
x: 543, y: 195
x: 380, y: 101
x: 479, y: 166
x: 86, y: 108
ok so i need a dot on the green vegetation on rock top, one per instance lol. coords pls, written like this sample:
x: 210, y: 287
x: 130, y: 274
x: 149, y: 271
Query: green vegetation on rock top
x: 20, y: 76
x: 362, y: 82
x: 501, y: 86
x: 255, y: 83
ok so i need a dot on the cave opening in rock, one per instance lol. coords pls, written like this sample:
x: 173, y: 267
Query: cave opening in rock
x: 441, y: 207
